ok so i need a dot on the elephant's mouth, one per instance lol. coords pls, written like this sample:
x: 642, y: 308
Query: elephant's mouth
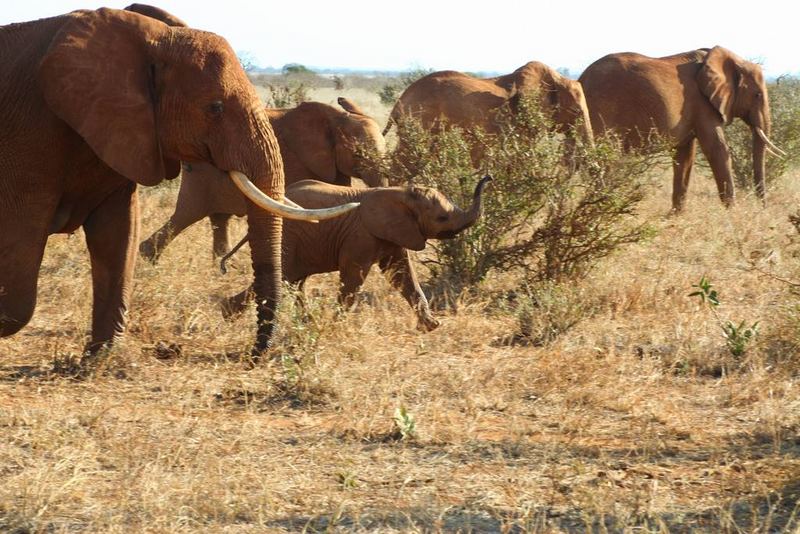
x: 447, y: 234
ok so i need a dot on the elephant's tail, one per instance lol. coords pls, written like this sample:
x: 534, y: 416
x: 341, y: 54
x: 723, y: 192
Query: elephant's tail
x: 222, y: 262
x: 388, y: 126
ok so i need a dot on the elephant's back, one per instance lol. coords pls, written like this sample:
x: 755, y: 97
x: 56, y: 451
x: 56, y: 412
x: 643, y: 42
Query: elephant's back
x: 314, y: 194
x: 629, y: 92
x: 459, y: 98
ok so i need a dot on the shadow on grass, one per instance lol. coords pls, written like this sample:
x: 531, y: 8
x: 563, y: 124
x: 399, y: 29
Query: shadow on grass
x: 776, y: 512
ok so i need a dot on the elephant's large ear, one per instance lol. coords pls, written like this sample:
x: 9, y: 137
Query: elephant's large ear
x: 308, y: 133
x: 96, y: 77
x: 718, y: 79
x: 388, y: 214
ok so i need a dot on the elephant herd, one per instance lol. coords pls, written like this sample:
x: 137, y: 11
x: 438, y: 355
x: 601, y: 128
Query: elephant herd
x: 97, y: 102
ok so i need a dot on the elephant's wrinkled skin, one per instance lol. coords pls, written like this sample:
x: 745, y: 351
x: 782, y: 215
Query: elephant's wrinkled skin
x: 389, y: 222
x: 317, y: 141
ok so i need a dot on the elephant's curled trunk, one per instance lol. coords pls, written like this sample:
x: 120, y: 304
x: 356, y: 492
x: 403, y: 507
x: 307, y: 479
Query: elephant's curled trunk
x: 469, y: 217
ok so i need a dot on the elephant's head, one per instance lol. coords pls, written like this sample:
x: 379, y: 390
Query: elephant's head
x: 736, y: 88
x: 560, y: 95
x: 409, y: 216
x: 358, y: 141
x: 332, y: 144
x: 144, y: 95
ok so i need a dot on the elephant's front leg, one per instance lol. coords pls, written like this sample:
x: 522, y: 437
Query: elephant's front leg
x: 712, y: 142
x: 398, y: 268
x: 112, y: 233
x: 682, y: 163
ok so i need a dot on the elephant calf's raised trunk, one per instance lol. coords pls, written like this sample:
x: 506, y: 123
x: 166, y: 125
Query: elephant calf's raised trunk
x: 469, y: 217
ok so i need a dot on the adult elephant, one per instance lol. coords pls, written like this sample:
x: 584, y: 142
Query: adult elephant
x: 96, y: 103
x: 466, y: 101
x: 317, y: 141
x: 389, y: 222
x: 687, y: 98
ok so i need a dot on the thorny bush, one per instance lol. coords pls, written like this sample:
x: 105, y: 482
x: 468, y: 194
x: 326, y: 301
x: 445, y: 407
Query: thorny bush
x: 548, y: 212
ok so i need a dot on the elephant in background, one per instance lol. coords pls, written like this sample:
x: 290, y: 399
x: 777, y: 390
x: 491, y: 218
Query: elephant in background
x: 96, y: 103
x: 469, y: 102
x: 317, y: 141
x: 389, y: 222
x: 687, y: 98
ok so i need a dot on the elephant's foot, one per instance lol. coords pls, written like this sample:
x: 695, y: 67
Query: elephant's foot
x: 427, y: 323
x: 148, y: 251
x: 235, y: 305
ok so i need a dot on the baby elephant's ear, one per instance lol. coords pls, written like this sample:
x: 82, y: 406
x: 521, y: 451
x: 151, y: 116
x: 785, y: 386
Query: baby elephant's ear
x: 97, y: 78
x: 388, y: 216
x: 350, y: 106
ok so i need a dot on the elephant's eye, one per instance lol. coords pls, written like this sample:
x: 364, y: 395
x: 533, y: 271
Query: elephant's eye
x: 442, y: 218
x: 216, y: 107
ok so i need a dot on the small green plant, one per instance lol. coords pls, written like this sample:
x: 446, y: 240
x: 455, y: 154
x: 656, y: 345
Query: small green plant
x: 405, y: 424
x: 705, y: 293
x: 347, y: 479
x: 737, y: 337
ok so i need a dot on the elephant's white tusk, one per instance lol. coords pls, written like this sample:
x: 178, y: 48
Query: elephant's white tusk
x: 773, y: 153
x: 264, y: 201
x: 288, y: 202
x: 769, y: 143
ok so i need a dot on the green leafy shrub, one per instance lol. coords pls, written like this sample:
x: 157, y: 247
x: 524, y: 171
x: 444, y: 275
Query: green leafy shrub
x: 543, y: 212
x: 784, y: 98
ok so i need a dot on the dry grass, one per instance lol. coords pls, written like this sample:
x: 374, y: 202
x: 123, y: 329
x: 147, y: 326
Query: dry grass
x: 636, y: 419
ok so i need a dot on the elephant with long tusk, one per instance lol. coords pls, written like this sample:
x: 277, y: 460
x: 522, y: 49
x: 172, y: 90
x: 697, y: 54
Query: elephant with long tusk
x: 687, y: 98
x: 96, y: 103
x: 389, y: 222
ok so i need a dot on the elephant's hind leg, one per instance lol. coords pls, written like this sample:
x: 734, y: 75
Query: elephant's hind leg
x: 186, y: 214
x: 112, y: 232
x: 682, y: 163
x: 219, y: 227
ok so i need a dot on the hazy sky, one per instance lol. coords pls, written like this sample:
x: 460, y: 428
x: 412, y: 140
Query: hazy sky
x: 497, y: 35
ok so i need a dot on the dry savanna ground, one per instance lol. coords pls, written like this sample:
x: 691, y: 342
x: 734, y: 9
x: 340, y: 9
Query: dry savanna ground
x: 637, y: 418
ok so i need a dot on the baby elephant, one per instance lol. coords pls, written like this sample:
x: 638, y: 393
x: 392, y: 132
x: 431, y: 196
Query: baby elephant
x: 389, y: 221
